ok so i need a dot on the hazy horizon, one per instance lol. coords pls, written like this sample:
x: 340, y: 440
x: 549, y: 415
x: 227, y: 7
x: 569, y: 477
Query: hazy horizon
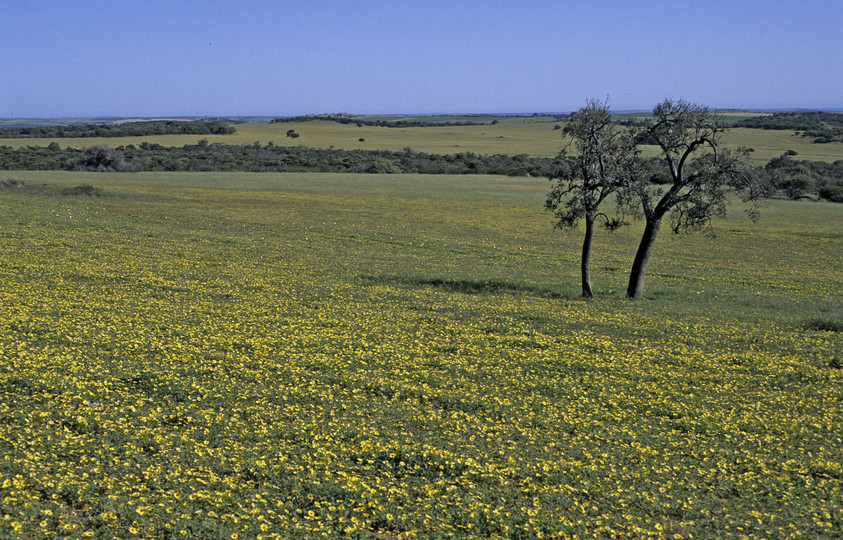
x: 399, y: 114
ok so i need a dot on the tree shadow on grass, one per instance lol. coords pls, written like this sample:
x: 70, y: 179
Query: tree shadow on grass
x: 824, y: 325
x: 464, y: 286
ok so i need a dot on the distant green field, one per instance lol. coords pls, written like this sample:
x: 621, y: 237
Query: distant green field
x: 479, y: 119
x: 212, y: 355
x: 771, y: 143
x: 535, y: 138
x: 521, y: 138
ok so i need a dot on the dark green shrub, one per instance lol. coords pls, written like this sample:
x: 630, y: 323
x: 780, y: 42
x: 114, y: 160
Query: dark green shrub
x: 825, y: 325
x: 832, y: 192
x: 661, y: 178
x: 384, y: 166
x: 86, y: 190
x: 798, y: 187
x: 101, y: 159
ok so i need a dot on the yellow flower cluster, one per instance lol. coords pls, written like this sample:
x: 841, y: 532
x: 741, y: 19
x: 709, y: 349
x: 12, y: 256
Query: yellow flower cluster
x: 186, y: 362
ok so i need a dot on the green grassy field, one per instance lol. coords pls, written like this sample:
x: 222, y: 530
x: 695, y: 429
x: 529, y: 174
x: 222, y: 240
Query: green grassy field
x: 375, y: 356
x: 506, y: 137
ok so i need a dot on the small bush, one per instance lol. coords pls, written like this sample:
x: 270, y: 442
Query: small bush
x: 661, y: 178
x: 825, y: 325
x: 11, y: 183
x: 86, y: 190
x: 384, y: 166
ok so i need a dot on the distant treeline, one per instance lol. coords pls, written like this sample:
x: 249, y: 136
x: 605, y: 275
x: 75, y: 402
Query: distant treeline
x: 360, y: 122
x: 268, y: 158
x: 127, y: 129
x: 823, y: 127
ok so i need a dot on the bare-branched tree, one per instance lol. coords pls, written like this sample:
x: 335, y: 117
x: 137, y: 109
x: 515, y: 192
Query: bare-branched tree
x: 583, y: 183
x: 701, y: 172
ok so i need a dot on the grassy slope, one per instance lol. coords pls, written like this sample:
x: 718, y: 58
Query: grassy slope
x: 773, y: 143
x: 407, y: 354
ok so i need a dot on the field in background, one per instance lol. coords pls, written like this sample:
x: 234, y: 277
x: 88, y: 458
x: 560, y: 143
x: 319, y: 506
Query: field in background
x: 525, y: 136
x: 213, y: 355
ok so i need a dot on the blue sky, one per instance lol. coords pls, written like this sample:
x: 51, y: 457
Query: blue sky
x: 216, y: 58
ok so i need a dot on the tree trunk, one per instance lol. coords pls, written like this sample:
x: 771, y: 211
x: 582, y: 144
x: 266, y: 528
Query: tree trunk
x: 635, y: 289
x: 585, y: 261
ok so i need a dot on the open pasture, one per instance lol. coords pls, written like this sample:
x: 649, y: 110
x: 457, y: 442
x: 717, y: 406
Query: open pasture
x: 506, y: 137
x: 535, y: 138
x: 282, y: 356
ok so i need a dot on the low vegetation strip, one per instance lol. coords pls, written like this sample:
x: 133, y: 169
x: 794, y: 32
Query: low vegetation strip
x: 420, y: 121
x: 197, y: 355
x: 793, y: 177
x: 204, y: 157
x: 127, y: 129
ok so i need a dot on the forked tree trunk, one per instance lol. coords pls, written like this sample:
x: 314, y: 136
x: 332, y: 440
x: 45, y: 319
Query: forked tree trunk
x: 635, y: 289
x: 585, y: 261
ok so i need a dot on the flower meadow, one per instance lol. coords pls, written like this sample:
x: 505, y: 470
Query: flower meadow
x: 362, y: 356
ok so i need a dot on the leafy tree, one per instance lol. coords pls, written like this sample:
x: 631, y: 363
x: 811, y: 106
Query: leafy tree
x: 798, y: 187
x: 702, y: 174
x: 583, y: 183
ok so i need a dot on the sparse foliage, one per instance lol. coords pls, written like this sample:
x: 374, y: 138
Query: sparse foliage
x: 702, y: 174
x: 689, y: 182
x: 583, y: 183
